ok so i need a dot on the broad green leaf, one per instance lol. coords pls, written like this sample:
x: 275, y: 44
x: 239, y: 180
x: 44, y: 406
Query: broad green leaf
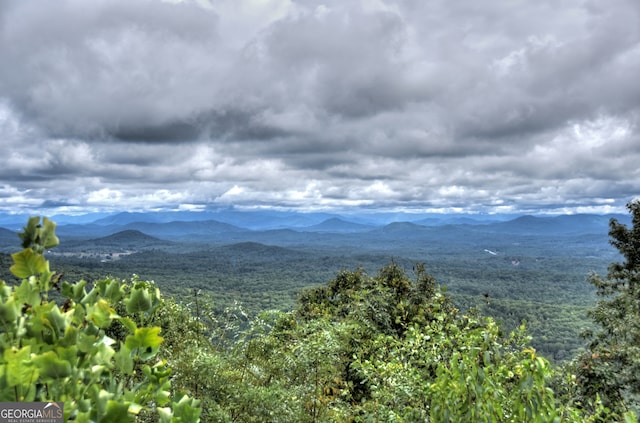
x: 51, y: 366
x: 166, y: 416
x: 162, y: 394
x: 20, y: 370
x: 69, y: 353
x: 39, y: 236
x: 27, y: 293
x: 103, y: 353
x: 9, y: 312
x: 5, y: 290
x: 128, y: 323
x: 630, y: 417
x: 123, y: 359
x: 29, y: 232
x: 145, y: 339
x: 138, y: 301
x: 101, y: 399
x: 187, y: 409
x: 112, y: 289
x: 91, y: 297
x: 135, y: 408
x: 74, y: 291
x: 48, y: 236
x: 101, y: 313
x: 28, y: 263
x: 58, y: 322
x: 160, y: 370
x: 116, y: 412
x: 86, y: 341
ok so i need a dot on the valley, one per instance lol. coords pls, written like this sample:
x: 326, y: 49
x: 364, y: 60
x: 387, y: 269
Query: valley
x: 526, y: 268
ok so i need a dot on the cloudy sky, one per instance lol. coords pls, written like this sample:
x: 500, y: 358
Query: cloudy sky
x: 492, y: 106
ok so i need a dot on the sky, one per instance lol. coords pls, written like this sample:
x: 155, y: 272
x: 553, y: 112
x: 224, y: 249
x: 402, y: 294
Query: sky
x: 499, y: 106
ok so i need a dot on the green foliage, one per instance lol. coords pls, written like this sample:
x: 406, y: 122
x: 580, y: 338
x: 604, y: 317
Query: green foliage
x: 612, y: 366
x: 381, y: 348
x: 361, y: 348
x: 546, y: 288
x: 39, y: 236
x: 61, y: 352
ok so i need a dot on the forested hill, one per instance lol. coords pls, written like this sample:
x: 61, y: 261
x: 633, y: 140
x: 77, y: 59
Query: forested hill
x: 8, y: 238
x: 525, y: 268
x: 362, y: 346
x: 266, y: 220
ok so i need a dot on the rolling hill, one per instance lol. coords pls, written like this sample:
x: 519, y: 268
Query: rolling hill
x: 338, y: 225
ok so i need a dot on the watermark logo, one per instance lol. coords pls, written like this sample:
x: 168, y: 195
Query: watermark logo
x: 31, y: 412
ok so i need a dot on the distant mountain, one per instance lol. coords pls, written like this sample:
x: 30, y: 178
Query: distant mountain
x: 18, y: 221
x: 453, y: 220
x: 91, y: 230
x: 566, y: 224
x: 9, y: 241
x: 461, y: 220
x: 7, y: 234
x: 177, y: 230
x: 338, y: 225
x: 429, y: 221
x: 130, y: 239
x: 269, y: 219
x: 182, y: 229
x: 126, y: 218
x: 294, y: 228
x: 402, y: 227
x: 13, y: 221
x: 80, y: 219
x: 256, y: 220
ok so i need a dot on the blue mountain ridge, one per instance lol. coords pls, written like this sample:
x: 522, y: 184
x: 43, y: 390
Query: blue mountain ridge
x: 243, y: 226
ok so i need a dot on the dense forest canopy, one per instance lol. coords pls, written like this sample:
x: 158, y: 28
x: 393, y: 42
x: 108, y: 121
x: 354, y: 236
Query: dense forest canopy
x: 526, y: 268
x: 386, y: 346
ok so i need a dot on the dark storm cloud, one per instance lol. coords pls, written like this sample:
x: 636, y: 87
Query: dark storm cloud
x: 439, y: 103
x: 90, y: 69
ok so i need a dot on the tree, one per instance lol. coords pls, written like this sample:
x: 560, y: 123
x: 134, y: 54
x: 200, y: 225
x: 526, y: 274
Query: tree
x: 611, y: 368
x: 59, y: 349
x: 386, y: 348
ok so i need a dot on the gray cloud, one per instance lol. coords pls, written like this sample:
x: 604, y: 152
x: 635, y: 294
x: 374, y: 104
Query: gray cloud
x: 526, y: 105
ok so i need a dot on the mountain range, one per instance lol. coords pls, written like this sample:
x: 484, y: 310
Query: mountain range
x: 160, y: 229
x: 530, y: 266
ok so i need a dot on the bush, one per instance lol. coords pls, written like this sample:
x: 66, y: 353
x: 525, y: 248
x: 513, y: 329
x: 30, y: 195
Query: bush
x: 59, y: 350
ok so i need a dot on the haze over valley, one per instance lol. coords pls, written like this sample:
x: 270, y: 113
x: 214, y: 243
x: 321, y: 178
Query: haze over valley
x: 513, y: 268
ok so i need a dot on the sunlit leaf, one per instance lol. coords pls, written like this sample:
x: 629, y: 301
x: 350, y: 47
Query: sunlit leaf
x: 27, y: 293
x: 48, y: 236
x: 146, y: 340
x: 138, y: 301
x: 116, y: 412
x: 20, y: 370
x: 165, y: 414
x: 103, y: 353
x: 27, y: 263
x: 111, y: 289
x: 128, y: 323
x: 186, y: 409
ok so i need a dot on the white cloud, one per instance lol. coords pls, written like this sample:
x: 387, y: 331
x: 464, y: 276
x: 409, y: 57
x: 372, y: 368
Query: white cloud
x: 320, y: 104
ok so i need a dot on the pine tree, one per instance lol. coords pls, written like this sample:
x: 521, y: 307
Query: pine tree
x: 611, y: 368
